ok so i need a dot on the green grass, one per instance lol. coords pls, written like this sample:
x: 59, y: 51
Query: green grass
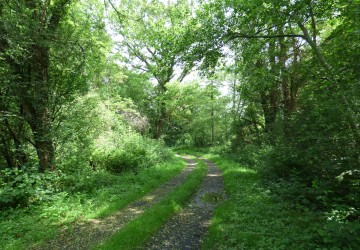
x: 136, y: 232
x: 21, y: 228
x: 253, y: 218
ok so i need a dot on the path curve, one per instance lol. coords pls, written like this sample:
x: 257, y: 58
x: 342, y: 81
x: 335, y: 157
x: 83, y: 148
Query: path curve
x: 187, y: 229
x: 88, y: 234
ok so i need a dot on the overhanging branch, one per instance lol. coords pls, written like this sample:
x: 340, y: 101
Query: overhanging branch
x: 233, y: 36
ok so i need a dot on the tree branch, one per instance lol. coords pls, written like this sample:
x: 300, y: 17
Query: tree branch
x: 119, y: 14
x: 235, y: 35
x: 153, y: 54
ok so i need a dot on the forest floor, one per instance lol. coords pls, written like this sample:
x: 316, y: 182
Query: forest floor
x: 190, y: 223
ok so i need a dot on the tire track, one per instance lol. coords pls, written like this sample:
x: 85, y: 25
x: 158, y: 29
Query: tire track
x: 187, y: 229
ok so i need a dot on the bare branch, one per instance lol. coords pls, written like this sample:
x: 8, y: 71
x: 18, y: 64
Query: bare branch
x: 116, y: 11
x: 119, y: 14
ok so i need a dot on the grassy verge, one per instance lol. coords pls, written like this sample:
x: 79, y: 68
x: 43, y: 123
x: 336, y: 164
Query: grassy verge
x: 135, y: 233
x: 253, y: 218
x: 24, y: 227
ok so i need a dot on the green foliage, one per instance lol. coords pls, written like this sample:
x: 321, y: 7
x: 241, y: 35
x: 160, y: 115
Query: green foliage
x: 297, y: 121
x: 158, y: 46
x: 16, y: 187
x: 19, y: 188
x: 86, y: 181
x: 134, y: 153
x: 74, y: 149
x: 108, y: 135
x: 339, y: 233
x: 292, y: 114
x: 298, y: 189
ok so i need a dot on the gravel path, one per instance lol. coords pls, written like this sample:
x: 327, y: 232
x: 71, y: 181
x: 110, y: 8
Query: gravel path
x: 186, y: 229
x: 88, y: 234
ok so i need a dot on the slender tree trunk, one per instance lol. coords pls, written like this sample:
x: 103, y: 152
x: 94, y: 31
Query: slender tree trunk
x: 212, y: 113
x: 212, y: 127
x: 20, y: 156
x: 233, y: 109
x: 160, y: 122
x: 5, y: 150
x: 294, y: 79
x: 269, y: 107
x: 287, y: 104
x: 270, y: 97
x: 162, y: 112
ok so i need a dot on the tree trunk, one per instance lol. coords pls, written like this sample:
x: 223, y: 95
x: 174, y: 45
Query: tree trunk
x: 33, y: 89
x: 20, y: 156
x: 212, y: 114
x: 5, y: 151
x: 270, y: 108
x: 270, y: 96
x: 46, y: 154
x: 36, y: 107
x: 285, y: 86
x: 162, y: 112
x: 160, y: 122
x: 40, y: 124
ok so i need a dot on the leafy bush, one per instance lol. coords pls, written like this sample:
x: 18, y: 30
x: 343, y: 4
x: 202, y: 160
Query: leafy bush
x: 20, y: 188
x: 75, y: 148
x: 342, y: 234
x: 137, y: 152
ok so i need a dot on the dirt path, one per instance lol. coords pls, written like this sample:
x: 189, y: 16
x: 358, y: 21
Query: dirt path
x: 88, y: 234
x: 186, y: 229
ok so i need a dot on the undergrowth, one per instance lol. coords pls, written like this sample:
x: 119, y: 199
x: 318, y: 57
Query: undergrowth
x: 253, y: 218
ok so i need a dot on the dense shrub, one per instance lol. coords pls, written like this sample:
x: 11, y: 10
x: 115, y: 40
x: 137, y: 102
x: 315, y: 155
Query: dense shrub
x: 135, y: 153
x: 305, y: 184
